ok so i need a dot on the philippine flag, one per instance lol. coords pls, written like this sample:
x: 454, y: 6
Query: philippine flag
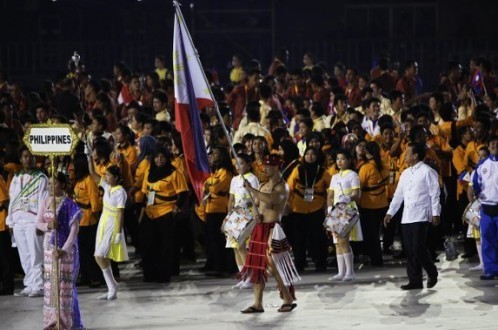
x: 192, y: 93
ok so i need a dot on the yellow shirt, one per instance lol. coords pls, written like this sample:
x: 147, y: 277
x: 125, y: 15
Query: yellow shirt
x: 373, y: 186
x: 100, y: 169
x: 391, y: 163
x: 142, y: 168
x: 218, y: 187
x: 236, y: 75
x: 130, y: 154
x: 11, y: 168
x: 472, y: 154
x: 439, y: 143
x: 458, y: 161
x: 297, y: 187
x: 4, y: 196
x: 88, y: 198
x: 165, y: 193
x: 162, y: 73
x: 179, y: 163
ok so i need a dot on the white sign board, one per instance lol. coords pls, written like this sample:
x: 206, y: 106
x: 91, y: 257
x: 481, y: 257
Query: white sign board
x: 50, y: 139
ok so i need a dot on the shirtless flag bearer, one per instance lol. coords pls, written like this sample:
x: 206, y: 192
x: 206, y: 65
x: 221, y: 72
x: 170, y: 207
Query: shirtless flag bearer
x: 270, y: 201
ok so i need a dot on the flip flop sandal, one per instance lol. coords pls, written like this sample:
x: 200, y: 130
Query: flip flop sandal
x: 252, y: 310
x: 285, y: 308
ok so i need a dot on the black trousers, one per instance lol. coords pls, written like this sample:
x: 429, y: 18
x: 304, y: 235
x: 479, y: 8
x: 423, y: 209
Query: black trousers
x: 288, y: 227
x: 185, y: 236
x: 391, y: 230
x: 469, y: 245
x: 309, y: 236
x: 157, y: 241
x: 6, y: 260
x: 219, y: 258
x: 89, y: 269
x: 132, y: 213
x: 451, y: 223
x: 371, y: 220
x: 417, y: 253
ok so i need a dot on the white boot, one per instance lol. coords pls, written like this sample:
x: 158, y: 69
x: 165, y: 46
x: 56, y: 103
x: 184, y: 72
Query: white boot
x: 479, y: 267
x: 112, y: 285
x: 237, y: 286
x: 348, y: 258
x: 341, y: 265
x: 246, y: 284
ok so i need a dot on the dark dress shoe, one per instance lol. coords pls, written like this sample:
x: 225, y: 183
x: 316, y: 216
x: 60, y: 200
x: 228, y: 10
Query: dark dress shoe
x: 487, y: 277
x: 412, y: 286
x: 431, y: 282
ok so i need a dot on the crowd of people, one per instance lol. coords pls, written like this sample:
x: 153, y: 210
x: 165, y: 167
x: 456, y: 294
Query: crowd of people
x: 341, y: 137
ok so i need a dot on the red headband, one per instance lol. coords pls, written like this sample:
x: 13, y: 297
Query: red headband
x: 273, y: 160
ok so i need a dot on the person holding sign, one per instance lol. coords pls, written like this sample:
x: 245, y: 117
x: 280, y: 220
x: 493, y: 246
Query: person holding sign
x: 28, y: 187
x: 65, y: 222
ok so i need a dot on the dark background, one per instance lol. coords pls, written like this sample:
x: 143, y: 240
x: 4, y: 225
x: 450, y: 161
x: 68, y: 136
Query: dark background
x: 39, y: 36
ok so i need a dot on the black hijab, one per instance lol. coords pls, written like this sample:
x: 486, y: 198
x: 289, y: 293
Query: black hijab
x: 158, y: 173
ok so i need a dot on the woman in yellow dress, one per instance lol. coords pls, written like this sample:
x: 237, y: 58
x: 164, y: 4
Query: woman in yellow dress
x: 110, y: 243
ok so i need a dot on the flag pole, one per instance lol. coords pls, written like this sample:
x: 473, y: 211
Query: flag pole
x: 484, y: 85
x: 56, y: 260
x: 176, y: 4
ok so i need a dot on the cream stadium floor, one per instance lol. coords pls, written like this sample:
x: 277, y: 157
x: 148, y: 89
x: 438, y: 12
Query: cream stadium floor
x: 193, y: 301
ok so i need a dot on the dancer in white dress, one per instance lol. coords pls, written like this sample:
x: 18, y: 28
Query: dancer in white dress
x: 241, y: 203
x: 345, y: 188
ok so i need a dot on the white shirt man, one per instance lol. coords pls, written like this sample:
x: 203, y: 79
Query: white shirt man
x: 418, y: 188
x: 27, y: 188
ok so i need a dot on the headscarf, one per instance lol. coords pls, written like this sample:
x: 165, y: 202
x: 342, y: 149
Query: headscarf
x: 147, y: 147
x: 157, y: 173
x: 310, y: 172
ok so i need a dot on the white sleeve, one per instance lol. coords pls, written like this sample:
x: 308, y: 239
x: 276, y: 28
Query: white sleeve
x: 434, y: 191
x: 253, y: 180
x: 121, y: 199
x: 43, y: 189
x: 355, y: 181
x: 332, y: 182
x: 398, y: 196
x: 232, y: 185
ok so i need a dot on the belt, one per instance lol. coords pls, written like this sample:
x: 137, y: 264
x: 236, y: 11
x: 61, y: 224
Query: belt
x: 167, y: 198
x: 84, y: 206
x: 221, y: 194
